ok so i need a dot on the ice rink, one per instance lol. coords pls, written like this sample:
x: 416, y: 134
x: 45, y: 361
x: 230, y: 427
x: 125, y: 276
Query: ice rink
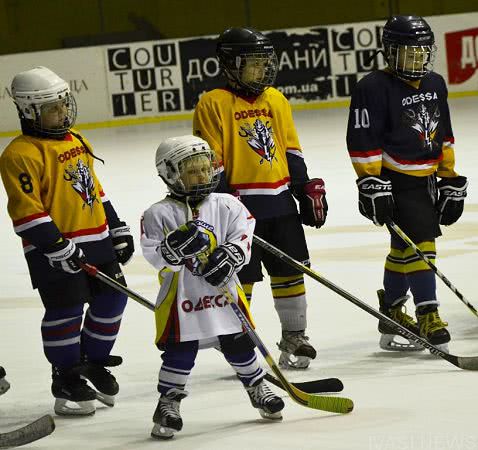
x: 402, y: 401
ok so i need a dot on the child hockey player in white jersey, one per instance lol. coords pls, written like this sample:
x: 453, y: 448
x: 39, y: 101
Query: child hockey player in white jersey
x: 198, y: 240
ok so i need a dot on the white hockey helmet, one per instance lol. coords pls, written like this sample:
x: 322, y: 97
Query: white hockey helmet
x: 188, y: 166
x: 36, y: 89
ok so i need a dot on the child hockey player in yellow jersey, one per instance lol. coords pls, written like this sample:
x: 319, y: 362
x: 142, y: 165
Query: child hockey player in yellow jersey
x: 400, y: 140
x: 249, y: 125
x: 60, y: 211
x: 198, y: 240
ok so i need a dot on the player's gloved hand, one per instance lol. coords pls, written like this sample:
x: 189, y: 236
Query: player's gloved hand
x: 66, y: 256
x: 223, y: 262
x: 451, y: 199
x: 312, y: 203
x: 183, y: 243
x: 123, y: 243
x: 375, y: 198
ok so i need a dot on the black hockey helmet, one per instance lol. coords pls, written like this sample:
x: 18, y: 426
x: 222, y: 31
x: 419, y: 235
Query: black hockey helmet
x: 248, y: 60
x: 409, y: 46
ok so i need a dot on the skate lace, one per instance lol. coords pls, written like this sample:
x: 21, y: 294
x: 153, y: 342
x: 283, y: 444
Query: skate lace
x: 262, y: 394
x: 297, y: 338
x: 400, y: 316
x: 168, y: 407
x: 432, y: 322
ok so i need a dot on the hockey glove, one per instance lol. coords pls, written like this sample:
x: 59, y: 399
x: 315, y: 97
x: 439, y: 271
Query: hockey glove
x: 123, y: 243
x: 223, y: 262
x: 312, y: 203
x: 375, y: 198
x: 451, y: 199
x: 184, y: 243
x: 66, y: 256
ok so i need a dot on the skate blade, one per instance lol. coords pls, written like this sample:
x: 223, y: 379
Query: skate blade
x: 108, y: 400
x: 161, y: 432
x: 291, y: 362
x: 388, y: 342
x: 4, y: 386
x: 63, y: 408
x: 270, y: 416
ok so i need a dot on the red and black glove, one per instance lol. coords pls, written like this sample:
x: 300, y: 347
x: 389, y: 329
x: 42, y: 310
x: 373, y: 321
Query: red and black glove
x: 312, y: 203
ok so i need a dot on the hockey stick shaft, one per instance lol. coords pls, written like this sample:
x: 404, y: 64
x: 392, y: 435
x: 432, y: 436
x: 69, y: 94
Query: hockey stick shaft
x: 432, y: 266
x: 463, y: 362
x: 340, y: 405
x: 32, y: 432
x: 94, y: 272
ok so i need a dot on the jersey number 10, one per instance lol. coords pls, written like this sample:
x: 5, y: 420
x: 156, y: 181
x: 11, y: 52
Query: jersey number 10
x: 362, y: 119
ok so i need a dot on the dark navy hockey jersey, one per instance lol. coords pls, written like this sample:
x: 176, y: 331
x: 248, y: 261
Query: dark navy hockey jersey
x: 402, y: 126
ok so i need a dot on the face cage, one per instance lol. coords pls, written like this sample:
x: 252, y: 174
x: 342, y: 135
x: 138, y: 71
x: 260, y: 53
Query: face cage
x: 270, y: 71
x: 202, y: 190
x: 411, y: 69
x: 58, y: 132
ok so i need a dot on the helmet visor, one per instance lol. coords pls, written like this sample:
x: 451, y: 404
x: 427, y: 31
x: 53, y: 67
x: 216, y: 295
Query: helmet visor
x: 56, y: 117
x: 411, y: 61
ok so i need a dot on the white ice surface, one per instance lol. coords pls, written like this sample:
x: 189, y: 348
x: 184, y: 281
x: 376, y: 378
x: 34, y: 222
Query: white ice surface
x: 401, y: 402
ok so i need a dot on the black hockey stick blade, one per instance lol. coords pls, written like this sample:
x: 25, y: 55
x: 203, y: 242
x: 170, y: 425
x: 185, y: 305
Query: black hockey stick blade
x: 311, y: 387
x: 463, y: 362
x: 32, y: 432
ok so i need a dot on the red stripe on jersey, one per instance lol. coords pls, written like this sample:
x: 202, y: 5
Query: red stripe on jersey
x: 102, y: 194
x: 261, y: 185
x: 29, y: 218
x: 365, y: 154
x: 417, y: 162
x: 68, y: 137
x: 86, y: 231
x: 450, y: 139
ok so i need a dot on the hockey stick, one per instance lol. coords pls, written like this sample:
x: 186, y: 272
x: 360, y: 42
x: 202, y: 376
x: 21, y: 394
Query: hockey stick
x: 326, y: 385
x: 340, y: 405
x: 463, y: 362
x: 32, y: 432
x: 432, y: 266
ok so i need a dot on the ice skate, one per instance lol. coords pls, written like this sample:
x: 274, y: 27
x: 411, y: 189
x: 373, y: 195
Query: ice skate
x: 432, y: 328
x: 4, y: 384
x: 296, y: 350
x: 68, y: 386
x: 102, y: 379
x: 398, y: 313
x: 167, y: 419
x: 269, y: 404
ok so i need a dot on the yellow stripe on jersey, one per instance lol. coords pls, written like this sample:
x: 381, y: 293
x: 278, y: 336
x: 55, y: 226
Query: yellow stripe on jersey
x: 163, y: 312
x: 369, y: 168
x: 446, y: 168
x: 250, y: 138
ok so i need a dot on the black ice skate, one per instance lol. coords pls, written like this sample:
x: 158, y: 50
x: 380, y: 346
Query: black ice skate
x: 4, y: 384
x: 269, y: 404
x: 68, y: 386
x: 398, y: 313
x: 102, y: 379
x: 432, y: 328
x: 167, y: 419
x: 296, y: 350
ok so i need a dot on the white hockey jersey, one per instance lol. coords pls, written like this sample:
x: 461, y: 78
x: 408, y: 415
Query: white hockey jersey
x: 188, y: 307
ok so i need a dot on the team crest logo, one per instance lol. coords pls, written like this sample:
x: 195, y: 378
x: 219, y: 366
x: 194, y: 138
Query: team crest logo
x: 259, y: 137
x: 425, y: 123
x: 82, y: 182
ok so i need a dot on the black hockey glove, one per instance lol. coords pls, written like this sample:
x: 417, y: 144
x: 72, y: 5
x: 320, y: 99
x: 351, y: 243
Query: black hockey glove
x: 66, y: 256
x: 123, y: 243
x: 451, y: 199
x: 223, y: 262
x: 184, y: 243
x: 375, y: 198
x: 312, y: 203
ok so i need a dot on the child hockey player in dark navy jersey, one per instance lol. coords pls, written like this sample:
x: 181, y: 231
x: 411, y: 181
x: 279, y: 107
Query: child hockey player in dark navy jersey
x: 400, y: 140
x: 198, y: 240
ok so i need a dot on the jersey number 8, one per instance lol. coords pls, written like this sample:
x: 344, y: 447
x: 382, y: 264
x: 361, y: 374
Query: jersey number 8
x: 26, y: 183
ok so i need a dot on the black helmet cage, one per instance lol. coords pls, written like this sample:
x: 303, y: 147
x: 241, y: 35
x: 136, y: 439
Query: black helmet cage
x: 409, y: 46
x: 233, y: 58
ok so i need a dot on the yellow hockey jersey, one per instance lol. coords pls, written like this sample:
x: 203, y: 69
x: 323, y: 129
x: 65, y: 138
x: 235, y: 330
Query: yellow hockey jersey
x: 53, y: 192
x: 253, y: 139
